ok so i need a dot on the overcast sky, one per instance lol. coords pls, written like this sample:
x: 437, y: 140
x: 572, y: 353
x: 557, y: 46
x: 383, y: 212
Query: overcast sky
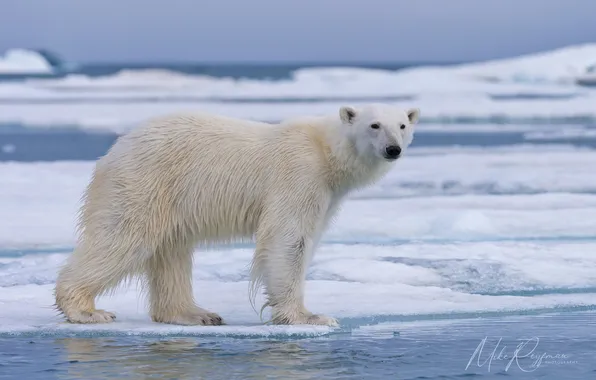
x: 294, y: 30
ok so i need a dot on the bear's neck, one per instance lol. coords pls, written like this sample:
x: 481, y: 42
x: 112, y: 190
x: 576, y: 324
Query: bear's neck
x: 349, y: 171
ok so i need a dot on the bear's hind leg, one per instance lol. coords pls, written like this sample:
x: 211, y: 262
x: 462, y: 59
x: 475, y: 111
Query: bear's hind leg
x: 92, y: 270
x: 169, y: 275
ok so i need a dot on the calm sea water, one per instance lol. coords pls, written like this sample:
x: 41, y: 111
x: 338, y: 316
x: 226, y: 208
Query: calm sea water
x: 19, y: 143
x: 219, y: 70
x: 551, y: 346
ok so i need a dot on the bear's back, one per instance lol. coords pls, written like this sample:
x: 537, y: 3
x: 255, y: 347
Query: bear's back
x: 212, y: 172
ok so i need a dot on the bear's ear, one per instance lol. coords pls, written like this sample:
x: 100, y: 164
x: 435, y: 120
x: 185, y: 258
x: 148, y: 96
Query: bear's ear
x: 347, y: 114
x: 413, y: 115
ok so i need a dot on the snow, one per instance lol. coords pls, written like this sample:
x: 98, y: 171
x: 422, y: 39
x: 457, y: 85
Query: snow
x: 513, y: 232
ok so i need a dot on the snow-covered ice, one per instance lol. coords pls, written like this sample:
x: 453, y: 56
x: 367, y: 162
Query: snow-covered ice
x: 461, y: 231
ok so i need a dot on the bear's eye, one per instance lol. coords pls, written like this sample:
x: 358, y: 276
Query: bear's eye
x: 375, y: 126
x: 403, y: 126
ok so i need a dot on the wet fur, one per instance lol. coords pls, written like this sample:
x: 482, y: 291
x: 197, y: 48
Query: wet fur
x: 183, y: 181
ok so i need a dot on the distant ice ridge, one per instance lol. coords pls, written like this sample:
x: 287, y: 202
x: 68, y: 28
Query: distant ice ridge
x: 556, y: 66
x: 22, y: 61
x: 531, y: 89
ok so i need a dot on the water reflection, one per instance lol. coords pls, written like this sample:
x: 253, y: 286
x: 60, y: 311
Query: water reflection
x: 196, y: 358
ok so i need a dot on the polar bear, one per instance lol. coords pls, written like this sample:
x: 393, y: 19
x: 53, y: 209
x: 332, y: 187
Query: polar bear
x: 183, y: 180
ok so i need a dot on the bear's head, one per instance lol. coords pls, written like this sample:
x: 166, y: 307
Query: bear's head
x: 379, y: 131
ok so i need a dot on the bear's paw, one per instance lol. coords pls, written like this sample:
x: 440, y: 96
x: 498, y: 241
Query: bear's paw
x: 95, y: 316
x: 193, y: 317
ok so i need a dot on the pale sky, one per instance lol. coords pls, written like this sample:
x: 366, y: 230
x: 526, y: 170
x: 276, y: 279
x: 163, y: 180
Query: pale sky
x: 294, y: 30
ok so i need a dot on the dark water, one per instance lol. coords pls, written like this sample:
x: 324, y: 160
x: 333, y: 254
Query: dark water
x: 270, y: 71
x: 557, y: 346
x: 18, y: 143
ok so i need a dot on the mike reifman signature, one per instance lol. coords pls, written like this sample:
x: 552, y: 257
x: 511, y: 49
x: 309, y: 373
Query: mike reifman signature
x: 527, y: 349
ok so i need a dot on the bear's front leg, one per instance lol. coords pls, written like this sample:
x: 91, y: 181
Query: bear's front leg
x: 169, y: 272
x: 284, y: 251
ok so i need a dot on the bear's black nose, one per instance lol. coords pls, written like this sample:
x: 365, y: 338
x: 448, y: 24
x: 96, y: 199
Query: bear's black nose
x: 392, y: 151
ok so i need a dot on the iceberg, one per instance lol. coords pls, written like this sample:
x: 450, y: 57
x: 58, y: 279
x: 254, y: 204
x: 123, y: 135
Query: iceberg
x: 22, y: 61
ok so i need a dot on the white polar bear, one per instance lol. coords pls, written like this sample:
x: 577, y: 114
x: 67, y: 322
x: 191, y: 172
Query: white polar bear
x: 184, y: 180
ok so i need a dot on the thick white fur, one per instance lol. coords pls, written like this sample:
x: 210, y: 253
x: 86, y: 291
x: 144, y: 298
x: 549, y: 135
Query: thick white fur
x: 184, y: 180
